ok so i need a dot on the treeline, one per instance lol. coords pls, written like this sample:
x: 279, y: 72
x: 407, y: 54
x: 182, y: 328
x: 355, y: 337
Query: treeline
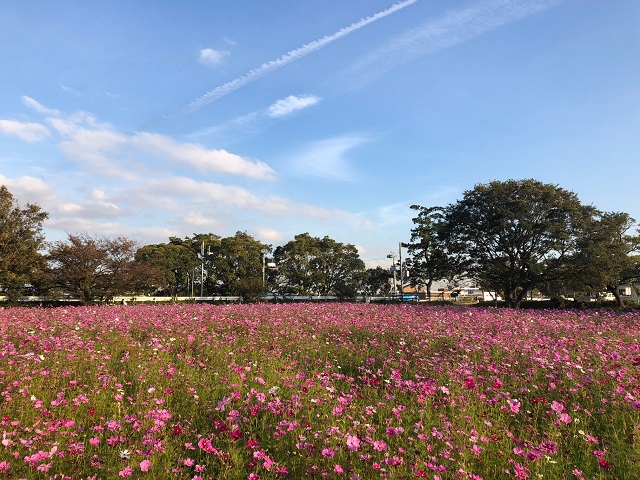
x: 512, y: 237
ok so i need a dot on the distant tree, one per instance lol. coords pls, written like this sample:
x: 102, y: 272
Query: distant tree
x: 173, y: 264
x: 237, y: 263
x: 608, y: 255
x: 21, y: 239
x: 431, y: 260
x: 202, y: 277
x: 319, y: 266
x: 516, y: 235
x: 95, y: 268
x: 377, y: 282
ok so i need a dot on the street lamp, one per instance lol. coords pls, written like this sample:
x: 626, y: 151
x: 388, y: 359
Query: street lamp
x: 202, y: 267
x: 392, y: 256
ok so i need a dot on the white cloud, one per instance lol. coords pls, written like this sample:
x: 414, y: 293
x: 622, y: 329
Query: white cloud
x: 327, y: 158
x: 201, y: 158
x: 27, y: 189
x: 452, y: 28
x: 27, y: 131
x: 289, y: 57
x: 287, y: 106
x: 209, y: 56
x: 38, y: 107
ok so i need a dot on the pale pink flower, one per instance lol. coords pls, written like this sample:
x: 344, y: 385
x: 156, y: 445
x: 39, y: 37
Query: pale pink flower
x: 145, y: 465
x: 353, y: 443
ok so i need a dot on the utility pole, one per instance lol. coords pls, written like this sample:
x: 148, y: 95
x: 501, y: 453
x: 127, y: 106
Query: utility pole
x: 202, y: 270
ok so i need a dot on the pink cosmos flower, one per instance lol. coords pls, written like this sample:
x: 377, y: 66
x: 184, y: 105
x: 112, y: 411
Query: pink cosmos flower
x: 94, y: 441
x: 338, y: 469
x: 145, y: 465
x: 514, y: 405
x: 127, y: 472
x: 205, y: 444
x: 328, y: 452
x: 353, y: 443
x: 379, y: 445
x: 565, y: 418
x: 557, y: 407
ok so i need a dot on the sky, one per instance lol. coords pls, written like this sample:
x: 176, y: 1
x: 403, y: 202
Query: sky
x: 158, y: 118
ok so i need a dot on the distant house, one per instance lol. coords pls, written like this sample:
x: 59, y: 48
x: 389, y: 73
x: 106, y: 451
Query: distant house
x: 629, y: 293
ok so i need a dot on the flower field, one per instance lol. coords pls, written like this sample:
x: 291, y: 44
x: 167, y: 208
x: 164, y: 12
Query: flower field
x: 318, y: 391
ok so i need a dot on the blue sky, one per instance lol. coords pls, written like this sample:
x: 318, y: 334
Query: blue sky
x: 153, y: 119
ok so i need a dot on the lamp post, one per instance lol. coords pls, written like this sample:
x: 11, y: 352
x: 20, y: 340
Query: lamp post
x: 392, y: 256
x: 202, y: 267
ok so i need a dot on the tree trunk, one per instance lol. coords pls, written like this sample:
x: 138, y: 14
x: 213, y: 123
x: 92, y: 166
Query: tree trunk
x: 428, y: 286
x: 616, y: 293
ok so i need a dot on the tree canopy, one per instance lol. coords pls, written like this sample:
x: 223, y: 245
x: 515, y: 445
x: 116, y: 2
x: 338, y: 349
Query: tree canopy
x: 516, y: 235
x: 21, y: 240
x: 319, y: 266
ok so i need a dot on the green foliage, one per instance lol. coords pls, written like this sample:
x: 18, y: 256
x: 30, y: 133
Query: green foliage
x: 174, y: 262
x: 605, y: 259
x: 20, y: 241
x: 319, y: 266
x: 431, y: 260
x: 237, y: 264
x: 516, y: 235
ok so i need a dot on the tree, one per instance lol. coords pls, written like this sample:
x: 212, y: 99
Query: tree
x: 173, y: 263
x: 431, y: 261
x: 377, y: 282
x: 605, y: 259
x: 237, y: 263
x: 319, y: 266
x: 515, y: 235
x: 21, y: 239
x: 203, y: 277
x: 95, y: 268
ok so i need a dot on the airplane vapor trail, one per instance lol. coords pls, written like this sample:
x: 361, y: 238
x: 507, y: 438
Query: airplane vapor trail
x: 289, y: 57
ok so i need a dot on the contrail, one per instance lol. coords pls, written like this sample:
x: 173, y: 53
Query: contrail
x: 287, y: 58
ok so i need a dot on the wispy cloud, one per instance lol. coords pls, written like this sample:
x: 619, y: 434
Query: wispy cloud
x: 452, y: 28
x: 38, y: 107
x: 209, y: 56
x: 291, y: 104
x: 27, y: 131
x: 327, y: 158
x: 100, y: 147
x: 201, y: 158
x: 287, y: 58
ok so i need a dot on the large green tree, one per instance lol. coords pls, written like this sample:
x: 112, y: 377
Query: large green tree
x: 21, y: 240
x: 319, y: 266
x: 202, y: 278
x: 516, y: 235
x: 608, y: 255
x: 377, y: 282
x: 176, y: 266
x: 431, y: 260
x: 238, y: 266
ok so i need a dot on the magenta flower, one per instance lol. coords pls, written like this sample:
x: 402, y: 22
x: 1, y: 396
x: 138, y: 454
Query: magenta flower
x: 205, y: 444
x: 514, y: 405
x: 127, y: 472
x: 338, y: 469
x: 328, y: 452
